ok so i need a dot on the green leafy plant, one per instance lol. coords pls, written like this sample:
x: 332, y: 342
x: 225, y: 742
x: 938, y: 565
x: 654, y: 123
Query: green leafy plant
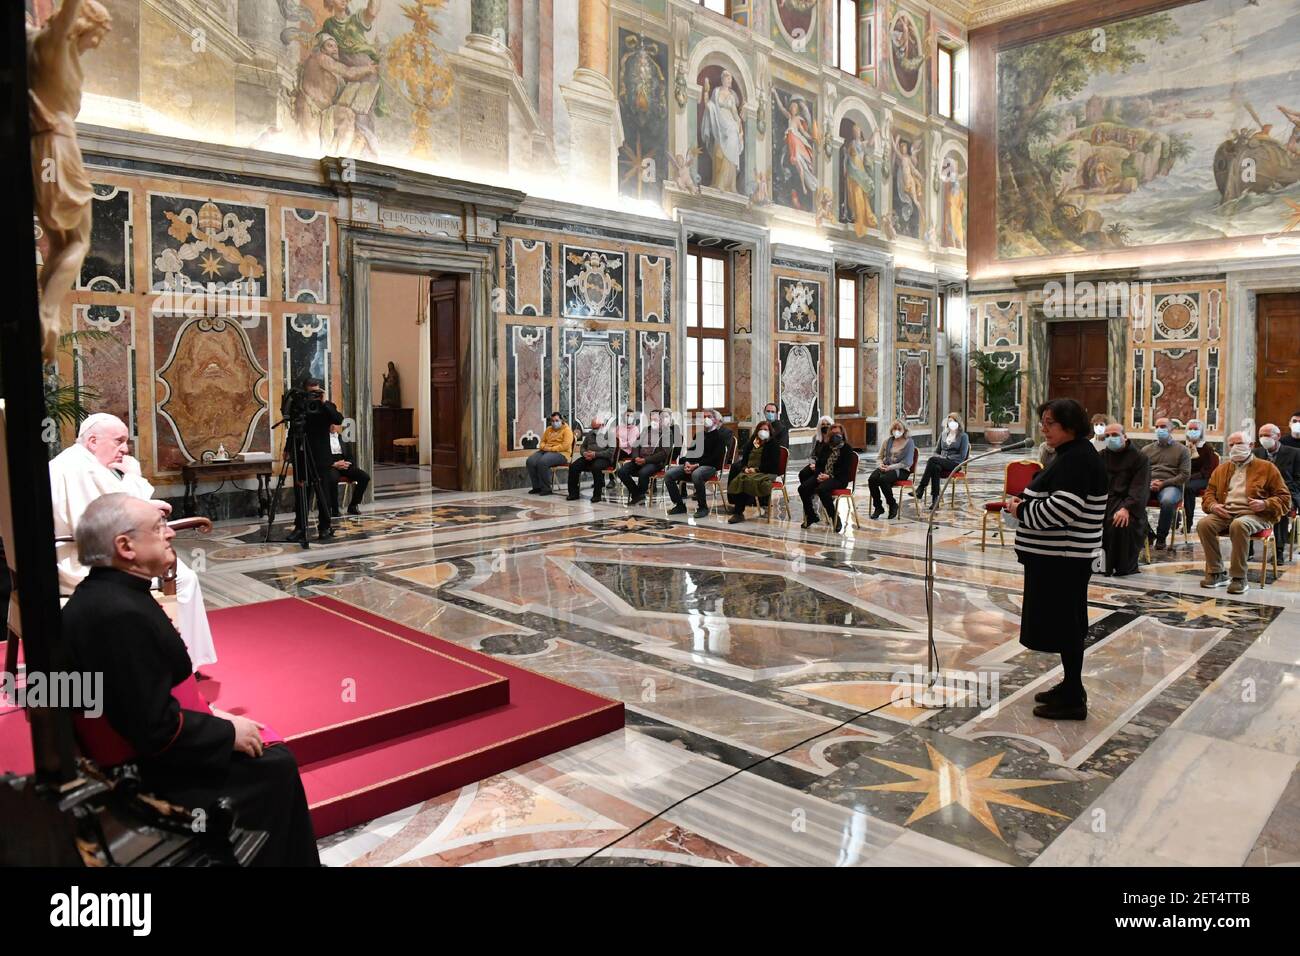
x: 66, y: 402
x: 1000, y: 386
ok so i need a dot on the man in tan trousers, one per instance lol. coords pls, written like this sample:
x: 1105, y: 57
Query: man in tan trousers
x: 1245, y: 495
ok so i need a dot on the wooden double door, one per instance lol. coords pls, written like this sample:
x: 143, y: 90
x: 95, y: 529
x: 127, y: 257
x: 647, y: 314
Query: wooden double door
x: 1277, y: 361
x: 1078, y: 365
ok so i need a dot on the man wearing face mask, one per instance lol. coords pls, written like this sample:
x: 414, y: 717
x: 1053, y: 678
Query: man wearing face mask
x: 1204, y: 460
x: 1287, y: 461
x: 1128, y: 476
x: 1171, y: 466
x: 1245, y: 495
x: 595, y: 454
x: 650, y: 455
x: 698, y: 469
x: 1293, y: 440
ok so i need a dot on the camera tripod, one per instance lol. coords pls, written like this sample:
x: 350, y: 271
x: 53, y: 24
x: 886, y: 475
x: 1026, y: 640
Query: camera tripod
x: 306, y: 478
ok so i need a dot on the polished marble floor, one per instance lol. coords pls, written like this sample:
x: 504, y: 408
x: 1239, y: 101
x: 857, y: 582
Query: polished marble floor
x: 773, y: 682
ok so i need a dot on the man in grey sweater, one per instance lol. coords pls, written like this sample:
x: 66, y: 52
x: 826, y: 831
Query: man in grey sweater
x: 1171, y: 466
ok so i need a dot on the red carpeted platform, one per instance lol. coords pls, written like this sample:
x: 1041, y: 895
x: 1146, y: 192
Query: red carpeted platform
x: 329, y: 684
x: 543, y: 716
x: 380, y: 716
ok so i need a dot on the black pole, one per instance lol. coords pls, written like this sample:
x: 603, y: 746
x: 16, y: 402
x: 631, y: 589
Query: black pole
x: 22, y: 385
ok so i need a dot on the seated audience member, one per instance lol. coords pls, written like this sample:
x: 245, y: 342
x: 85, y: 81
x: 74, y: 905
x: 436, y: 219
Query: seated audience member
x: 1293, y: 440
x: 595, y: 454
x: 834, y: 472
x: 780, y: 434
x: 1171, y: 466
x: 1287, y: 461
x: 555, y: 448
x: 344, y: 461
x: 894, y: 465
x: 761, y: 465
x: 1245, y: 495
x: 1128, y: 477
x: 98, y: 464
x: 112, y: 626
x: 1099, y: 423
x: 953, y: 450
x: 821, y: 445
x: 698, y: 469
x: 627, y: 435
x: 648, y: 458
x: 1204, y: 460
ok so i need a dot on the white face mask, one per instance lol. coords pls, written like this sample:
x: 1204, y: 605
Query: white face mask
x: 1239, y: 453
x: 897, y: 433
x: 1099, y: 430
x: 953, y: 426
x: 1295, y: 429
x: 1267, y: 441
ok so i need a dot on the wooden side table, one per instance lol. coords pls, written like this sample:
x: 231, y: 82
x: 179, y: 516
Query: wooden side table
x: 223, y: 471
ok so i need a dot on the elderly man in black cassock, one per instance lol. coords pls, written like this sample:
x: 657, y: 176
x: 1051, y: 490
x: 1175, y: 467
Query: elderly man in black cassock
x: 113, y: 626
x: 1128, y: 477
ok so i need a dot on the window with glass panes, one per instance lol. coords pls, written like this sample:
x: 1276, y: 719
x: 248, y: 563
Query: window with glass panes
x: 846, y: 35
x: 708, y: 311
x: 947, y: 77
x: 717, y: 6
x: 846, y: 342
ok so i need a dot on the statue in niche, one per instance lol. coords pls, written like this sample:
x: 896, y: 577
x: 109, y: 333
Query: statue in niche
x: 392, y: 394
x: 63, y: 193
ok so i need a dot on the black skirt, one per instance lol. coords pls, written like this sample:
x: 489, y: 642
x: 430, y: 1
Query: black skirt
x: 1054, y: 608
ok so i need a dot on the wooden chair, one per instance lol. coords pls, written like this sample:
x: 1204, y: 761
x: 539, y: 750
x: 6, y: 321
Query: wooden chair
x: 779, y: 485
x: 573, y: 453
x: 846, y: 495
x: 957, y: 474
x: 1180, y: 518
x: 407, y: 449
x: 909, y: 483
x: 1293, y: 536
x: 1014, y: 482
x: 719, y: 477
x: 673, y: 454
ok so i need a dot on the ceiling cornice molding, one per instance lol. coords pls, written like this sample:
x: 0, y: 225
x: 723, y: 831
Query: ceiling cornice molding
x: 984, y: 13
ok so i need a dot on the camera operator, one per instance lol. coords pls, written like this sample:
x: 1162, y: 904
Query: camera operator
x: 320, y: 415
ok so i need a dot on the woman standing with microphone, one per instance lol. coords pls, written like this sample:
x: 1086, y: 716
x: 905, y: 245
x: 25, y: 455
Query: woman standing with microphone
x: 1058, y: 541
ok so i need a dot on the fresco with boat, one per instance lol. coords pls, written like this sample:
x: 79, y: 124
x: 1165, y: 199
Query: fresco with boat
x: 1174, y: 126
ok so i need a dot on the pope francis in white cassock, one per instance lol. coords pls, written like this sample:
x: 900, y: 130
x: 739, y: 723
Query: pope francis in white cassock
x: 98, y: 465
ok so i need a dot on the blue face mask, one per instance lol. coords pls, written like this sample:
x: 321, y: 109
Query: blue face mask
x: 1115, y: 442
x: 771, y: 416
x: 1194, y: 434
x: 1162, y: 434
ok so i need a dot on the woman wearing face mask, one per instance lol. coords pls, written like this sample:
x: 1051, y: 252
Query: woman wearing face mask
x: 760, y: 467
x: 1099, y: 433
x: 1060, y: 531
x: 1128, y: 476
x: 821, y: 446
x: 1204, y: 460
x: 554, y: 449
x: 953, y: 450
x: 834, y: 471
x: 897, y: 452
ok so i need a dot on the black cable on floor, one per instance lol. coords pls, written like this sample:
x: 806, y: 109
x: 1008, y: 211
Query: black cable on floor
x: 730, y: 776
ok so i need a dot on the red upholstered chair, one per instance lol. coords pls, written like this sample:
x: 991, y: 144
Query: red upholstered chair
x: 846, y: 495
x: 779, y: 485
x: 1017, y: 478
x: 909, y: 483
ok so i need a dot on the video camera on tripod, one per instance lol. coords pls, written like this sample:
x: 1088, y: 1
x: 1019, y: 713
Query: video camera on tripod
x: 299, y: 402
x: 297, y: 405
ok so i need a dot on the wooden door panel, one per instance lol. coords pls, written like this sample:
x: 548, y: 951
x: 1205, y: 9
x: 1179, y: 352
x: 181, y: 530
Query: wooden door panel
x: 1078, y: 363
x: 1277, y: 366
x: 444, y: 384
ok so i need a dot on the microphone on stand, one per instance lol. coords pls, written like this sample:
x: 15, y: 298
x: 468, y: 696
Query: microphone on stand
x: 932, y: 653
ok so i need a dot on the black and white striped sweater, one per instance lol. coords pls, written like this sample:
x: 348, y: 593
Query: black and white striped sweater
x: 1064, y: 506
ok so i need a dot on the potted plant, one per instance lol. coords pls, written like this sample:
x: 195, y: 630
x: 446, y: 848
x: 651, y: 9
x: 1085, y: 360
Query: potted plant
x: 1001, y: 387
